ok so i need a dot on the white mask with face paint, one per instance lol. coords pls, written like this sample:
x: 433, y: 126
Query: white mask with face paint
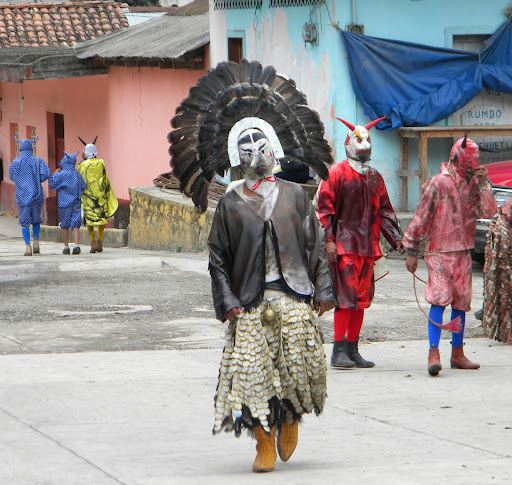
x: 257, y: 161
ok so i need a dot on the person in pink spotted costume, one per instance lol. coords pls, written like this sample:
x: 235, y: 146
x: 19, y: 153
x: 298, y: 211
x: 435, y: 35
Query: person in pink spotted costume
x: 446, y: 216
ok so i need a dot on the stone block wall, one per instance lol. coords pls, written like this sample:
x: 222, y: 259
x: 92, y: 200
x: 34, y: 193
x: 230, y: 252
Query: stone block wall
x: 164, y: 220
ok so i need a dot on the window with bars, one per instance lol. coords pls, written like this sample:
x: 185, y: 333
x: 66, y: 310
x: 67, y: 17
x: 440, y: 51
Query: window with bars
x: 255, y: 4
x: 237, y: 4
x: 294, y: 3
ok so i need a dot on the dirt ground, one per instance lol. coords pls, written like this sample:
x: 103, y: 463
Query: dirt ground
x: 125, y: 299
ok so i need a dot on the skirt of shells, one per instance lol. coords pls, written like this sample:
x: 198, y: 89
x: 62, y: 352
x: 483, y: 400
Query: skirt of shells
x: 273, y: 366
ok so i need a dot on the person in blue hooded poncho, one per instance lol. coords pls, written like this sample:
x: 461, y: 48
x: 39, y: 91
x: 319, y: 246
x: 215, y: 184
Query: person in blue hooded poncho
x: 28, y: 172
x: 70, y: 185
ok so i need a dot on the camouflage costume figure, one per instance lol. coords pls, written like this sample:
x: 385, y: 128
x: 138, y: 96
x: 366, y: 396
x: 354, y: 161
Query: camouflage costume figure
x: 497, y: 314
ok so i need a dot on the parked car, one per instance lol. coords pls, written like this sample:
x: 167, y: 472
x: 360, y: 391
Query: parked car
x: 500, y: 177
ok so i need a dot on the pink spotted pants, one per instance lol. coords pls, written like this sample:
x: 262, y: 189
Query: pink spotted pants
x: 449, y: 279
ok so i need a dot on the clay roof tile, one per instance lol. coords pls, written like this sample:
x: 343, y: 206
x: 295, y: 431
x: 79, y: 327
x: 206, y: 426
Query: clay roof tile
x: 59, y: 24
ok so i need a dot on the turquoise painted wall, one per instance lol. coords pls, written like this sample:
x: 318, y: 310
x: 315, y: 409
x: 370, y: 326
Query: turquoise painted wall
x: 274, y: 36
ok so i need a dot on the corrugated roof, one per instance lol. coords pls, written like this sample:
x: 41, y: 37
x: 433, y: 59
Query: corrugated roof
x: 167, y: 37
x: 197, y: 7
x: 136, y: 18
x: 18, y: 64
x: 151, y: 9
x: 139, y: 15
x: 58, y: 24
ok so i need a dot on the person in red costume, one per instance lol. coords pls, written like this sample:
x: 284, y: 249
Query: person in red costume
x: 354, y: 208
x: 446, y: 215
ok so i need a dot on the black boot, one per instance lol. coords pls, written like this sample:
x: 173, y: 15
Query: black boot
x: 353, y: 354
x: 339, y: 358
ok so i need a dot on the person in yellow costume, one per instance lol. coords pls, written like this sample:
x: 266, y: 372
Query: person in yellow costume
x: 98, y: 199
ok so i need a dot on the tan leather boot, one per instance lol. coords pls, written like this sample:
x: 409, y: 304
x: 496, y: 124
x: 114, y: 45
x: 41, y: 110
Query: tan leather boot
x: 434, y: 362
x: 460, y: 361
x: 287, y: 440
x: 94, y: 247
x: 99, y: 246
x: 28, y: 250
x: 36, y: 246
x: 266, y: 448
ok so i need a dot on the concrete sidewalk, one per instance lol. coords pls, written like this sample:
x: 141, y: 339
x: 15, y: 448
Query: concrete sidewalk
x: 10, y: 229
x: 145, y: 418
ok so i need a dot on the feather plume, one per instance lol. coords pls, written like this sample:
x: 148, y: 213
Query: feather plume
x: 226, y: 94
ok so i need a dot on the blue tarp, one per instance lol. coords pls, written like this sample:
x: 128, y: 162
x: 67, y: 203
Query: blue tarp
x: 417, y: 85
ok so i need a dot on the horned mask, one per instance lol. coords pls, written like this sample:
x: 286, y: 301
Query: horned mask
x: 358, y: 144
x: 89, y: 149
x: 464, y: 156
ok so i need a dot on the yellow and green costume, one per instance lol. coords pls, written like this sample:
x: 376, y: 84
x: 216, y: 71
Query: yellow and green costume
x: 98, y: 199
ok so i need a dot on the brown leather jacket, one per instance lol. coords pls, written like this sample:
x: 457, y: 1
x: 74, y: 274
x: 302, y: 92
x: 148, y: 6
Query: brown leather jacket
x: 237, y: 250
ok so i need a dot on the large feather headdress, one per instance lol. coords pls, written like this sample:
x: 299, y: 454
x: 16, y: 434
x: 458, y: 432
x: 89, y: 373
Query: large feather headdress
x: 227, y: 94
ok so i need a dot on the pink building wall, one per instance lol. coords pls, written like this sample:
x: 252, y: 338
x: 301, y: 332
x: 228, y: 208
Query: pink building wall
x: 142, y: 102
x: 129, y: 109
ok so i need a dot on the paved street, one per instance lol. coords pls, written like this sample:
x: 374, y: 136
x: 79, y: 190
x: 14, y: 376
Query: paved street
x: 108, y: 366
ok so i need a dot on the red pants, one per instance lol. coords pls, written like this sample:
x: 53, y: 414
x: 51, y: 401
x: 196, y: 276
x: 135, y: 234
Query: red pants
x: 353, y: 281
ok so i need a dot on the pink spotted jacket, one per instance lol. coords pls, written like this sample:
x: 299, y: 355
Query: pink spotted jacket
x: 447, y: 214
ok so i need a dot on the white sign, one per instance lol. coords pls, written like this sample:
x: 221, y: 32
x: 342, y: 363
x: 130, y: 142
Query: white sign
x: 486, y: 109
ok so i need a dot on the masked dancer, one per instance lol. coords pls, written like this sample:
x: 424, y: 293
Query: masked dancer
x: 70, y: 185
x: 98, y: 199
x: 267, y: 263
x: 28, y: 172
x: 354, y: 208
x: 446, y: 216
x: 497, y: 311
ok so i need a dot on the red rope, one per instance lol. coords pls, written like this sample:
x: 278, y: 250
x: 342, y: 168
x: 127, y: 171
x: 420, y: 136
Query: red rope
x: 454, y: 325
x: 268, y: 179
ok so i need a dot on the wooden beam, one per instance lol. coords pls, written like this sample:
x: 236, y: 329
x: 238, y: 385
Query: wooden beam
x: 408, y: 173
x: 422, y: 159
x: 404, y: 165
x: 165, y: 64
x: 455, y: 131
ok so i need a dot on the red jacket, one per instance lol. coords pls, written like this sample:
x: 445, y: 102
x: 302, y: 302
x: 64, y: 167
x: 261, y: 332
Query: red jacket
x: 354, y: 209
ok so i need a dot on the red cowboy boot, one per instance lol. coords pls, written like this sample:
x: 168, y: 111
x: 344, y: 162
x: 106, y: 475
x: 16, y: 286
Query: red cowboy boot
x: 434, y: 362
x: 460, y: 361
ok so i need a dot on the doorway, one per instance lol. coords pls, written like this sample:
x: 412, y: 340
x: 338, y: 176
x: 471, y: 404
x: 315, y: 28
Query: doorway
x: 55, y: 131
